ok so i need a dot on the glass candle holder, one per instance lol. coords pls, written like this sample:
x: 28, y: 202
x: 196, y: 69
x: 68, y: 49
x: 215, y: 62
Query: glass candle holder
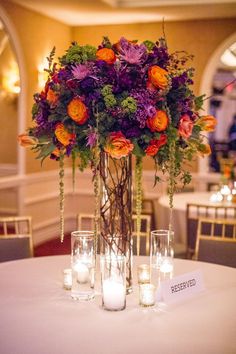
x: 113, y: 273
x: 83, y: 265
x: 144, y: 275
x: 67, y: 279
x: 147, y: 293
x: 162, y: 251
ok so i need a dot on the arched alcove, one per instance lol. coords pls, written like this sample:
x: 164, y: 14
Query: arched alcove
x: 21, y: 114
x: 206, y: 84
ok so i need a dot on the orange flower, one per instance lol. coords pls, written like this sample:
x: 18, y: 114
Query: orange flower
x: 204, y: 149
x: 118, y: 146
x: 155, y: 145
x: 52, y: 97
x: 207, y: 123
x: 56, y: 152
x: 62, y: 135
x: 185, y: 126
x: 77, y: 110
x: 106, y: 55
x: 27, y: 140
x: 158, y: 77
x: 159, y: 122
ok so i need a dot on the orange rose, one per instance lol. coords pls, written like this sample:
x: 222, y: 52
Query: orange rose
x: 159, y: 122
x: 155, y: 145
x: 77, y: 110
x: 106, y: 55
x: 118, y: 146
x: 204, y: 149
x: 158, y: 77
x: 185, y: 126
x: 207, y: 123
x: 52, y: 97
x: 27, y: 140
x: 63, y: 136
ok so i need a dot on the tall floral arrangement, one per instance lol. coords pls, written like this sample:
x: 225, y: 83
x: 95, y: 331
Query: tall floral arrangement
x: 121, y: 98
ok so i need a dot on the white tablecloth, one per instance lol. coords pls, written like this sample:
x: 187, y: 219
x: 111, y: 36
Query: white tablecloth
x: 179, y: 212
x: 39, y: 317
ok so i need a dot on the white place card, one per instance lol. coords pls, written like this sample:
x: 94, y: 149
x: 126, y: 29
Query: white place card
x: 181, y: 287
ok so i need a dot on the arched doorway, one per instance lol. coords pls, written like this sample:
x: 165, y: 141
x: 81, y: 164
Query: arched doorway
x: 21, y: 111
x: 206, y: 85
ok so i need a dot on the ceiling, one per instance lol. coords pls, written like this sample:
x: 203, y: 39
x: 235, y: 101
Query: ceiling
x: 99, y: 12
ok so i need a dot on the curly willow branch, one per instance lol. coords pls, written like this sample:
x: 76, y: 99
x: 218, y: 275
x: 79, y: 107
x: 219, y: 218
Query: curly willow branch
x: 62, y: 194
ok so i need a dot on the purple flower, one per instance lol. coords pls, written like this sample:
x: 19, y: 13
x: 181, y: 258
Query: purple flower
x: 91, y: 138
x: 132, y: 53
x: 80, y: 71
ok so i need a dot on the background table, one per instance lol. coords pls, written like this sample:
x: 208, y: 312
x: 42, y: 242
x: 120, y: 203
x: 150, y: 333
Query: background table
x: 179, y: 212
x: 39, y: 317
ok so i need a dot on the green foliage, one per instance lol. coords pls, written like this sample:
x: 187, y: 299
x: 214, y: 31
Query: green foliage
x: 78, y: 54
x: 149, y: 45
x: 198, y: 101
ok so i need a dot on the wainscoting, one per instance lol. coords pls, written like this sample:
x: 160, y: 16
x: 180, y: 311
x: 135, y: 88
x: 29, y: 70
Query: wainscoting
x: 37, y: 195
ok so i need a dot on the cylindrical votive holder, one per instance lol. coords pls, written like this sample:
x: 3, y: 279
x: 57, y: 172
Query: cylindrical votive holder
x: 67, y: 279
x: 147, y: 293
x: 83, y: 265
x: 144, y: 275
x: 113, y: 282
x: 162, y: 251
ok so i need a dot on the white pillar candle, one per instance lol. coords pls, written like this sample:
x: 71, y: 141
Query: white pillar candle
x: 67, y: 281
x: 82, y: 272
x: 113, y: 294
x: 147, y: 295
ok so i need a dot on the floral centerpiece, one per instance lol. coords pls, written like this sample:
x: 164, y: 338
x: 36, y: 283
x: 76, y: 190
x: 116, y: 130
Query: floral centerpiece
x: 120, y: 99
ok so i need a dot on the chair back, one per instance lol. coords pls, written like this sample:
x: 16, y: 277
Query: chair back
x: 16, y: 240
x: 141, y: 245
x: 141, y: 242
x: 85, y: 222
x: 195, y: 211
x: 216, y: 241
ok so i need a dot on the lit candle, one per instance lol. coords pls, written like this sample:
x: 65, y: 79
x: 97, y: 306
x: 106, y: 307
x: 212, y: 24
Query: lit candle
x: 143, y: 274
x: 113, y: 294
x: 166, y: 266
x: 147, y: 295
x: 67, y: 281
x: 225, y: 190
x: 82, y: 272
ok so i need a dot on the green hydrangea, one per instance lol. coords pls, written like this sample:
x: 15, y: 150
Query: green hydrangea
x: 129, y: 104
x: 106, y: 90
x: 78, y: 54
x: 110, y: 101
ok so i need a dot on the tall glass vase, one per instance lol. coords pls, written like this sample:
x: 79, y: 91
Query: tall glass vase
x: 116, y: 210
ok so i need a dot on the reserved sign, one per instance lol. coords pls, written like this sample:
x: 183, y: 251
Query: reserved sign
x: 181, y: 287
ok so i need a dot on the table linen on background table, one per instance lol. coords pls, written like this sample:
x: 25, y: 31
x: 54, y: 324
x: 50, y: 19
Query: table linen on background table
x: 39, y: 317
x: 179, y: 212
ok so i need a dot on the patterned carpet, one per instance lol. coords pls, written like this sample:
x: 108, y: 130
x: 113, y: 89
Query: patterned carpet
x: 53, y: 247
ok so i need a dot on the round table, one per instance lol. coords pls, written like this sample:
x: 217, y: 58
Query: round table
x: 39, y: 317
x: 179, y: 212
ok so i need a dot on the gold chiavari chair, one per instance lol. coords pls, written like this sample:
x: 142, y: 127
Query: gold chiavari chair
x: 195, y: 211
x: 216, y: 241
x: 86, y: 222
x: 16, y: 240
x: 141, y: 247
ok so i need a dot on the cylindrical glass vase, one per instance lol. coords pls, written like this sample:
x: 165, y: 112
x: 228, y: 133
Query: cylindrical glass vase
x: 162, y: 251
x: 116, y: 210
x: 82, y: 265
x: 113, y: 272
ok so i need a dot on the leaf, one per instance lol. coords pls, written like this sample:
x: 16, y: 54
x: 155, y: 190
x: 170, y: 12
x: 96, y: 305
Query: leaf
x: 46, y: 150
